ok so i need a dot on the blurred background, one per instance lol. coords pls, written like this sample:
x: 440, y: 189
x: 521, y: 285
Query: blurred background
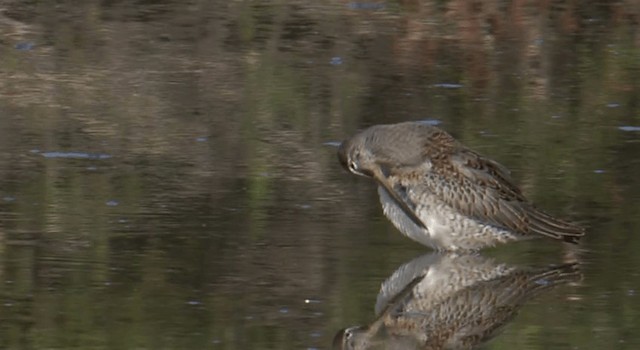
x: 168, y: 177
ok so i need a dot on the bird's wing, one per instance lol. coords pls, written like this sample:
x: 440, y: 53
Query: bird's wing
x: 482, y: 189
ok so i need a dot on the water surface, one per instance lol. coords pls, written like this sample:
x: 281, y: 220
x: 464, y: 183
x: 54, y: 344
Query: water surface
x: 168, y: 177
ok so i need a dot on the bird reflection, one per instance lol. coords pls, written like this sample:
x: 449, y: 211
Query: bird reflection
x: 450, y: 302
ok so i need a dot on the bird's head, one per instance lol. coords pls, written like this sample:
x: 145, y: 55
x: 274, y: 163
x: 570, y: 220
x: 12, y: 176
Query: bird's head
x: 378, y: 149
x: 356, y: 157
x: 350, y: 338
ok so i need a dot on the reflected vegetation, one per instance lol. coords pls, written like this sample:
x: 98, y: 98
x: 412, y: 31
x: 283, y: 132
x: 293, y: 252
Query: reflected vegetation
x: 451, y: 302
x: 165, y: 181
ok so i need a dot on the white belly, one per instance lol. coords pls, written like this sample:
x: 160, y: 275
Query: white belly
x: 445, y: 228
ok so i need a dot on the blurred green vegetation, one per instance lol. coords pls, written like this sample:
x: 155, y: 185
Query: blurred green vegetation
x: 221, y: 208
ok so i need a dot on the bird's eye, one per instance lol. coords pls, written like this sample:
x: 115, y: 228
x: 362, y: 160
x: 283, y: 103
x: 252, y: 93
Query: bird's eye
x: 353, y: 166
x: 348, y: 334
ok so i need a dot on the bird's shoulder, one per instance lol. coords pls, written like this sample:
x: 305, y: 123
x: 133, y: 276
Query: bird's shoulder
x: 464, y: 166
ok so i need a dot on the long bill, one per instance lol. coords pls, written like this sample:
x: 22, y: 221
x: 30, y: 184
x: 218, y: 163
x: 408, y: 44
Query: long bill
x: 381, y: 180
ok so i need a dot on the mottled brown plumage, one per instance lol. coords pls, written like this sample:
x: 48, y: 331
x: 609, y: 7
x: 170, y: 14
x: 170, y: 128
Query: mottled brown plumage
x: 450, y: 301
x: 443, y: 194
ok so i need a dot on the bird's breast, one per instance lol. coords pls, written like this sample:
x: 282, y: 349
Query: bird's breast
x: 445, y: 228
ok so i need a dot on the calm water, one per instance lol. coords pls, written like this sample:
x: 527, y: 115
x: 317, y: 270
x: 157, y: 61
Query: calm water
x: 168, y: 177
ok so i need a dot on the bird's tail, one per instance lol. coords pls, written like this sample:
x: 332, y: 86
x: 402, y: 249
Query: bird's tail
x: 546, y: 225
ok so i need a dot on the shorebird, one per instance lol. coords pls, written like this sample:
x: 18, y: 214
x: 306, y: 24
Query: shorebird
x: 451, y: 301
x: 444, y: 195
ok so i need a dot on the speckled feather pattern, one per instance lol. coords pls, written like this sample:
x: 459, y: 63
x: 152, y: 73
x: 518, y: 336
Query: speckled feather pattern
x: 451, y: 301
x: 444, y: 195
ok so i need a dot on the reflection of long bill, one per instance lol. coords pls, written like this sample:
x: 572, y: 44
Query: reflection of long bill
x: 450, y: 301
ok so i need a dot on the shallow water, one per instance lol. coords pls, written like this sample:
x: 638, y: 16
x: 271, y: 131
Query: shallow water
x: 168, y: 177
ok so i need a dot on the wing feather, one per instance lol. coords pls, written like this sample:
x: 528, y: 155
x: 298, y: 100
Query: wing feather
x: 482, y: 189
x: 475, y: 186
